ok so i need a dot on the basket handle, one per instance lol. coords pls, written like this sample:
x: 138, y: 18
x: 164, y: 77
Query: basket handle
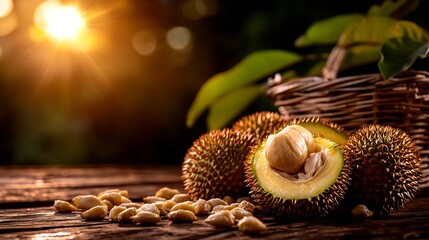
x: 333, y: 63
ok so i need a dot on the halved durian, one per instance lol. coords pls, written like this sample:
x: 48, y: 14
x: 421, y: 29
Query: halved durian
x: 316, y: 189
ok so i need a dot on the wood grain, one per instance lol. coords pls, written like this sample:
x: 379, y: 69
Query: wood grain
x: 33, y: 186
x: 29, y: 213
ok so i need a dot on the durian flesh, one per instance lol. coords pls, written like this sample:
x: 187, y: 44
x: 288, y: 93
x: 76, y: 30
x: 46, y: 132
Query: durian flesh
x: 279, y: 186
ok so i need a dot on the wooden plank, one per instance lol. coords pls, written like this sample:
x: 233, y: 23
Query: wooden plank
x: 410, y: 222
x: 25, y: 188
x: 34, y: 186
x: 86, y: 176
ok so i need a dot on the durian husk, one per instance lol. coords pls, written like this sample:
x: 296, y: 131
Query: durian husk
x: 324, y: 204
x: 317, y: 120
x: 386, y: 168
x: 214, y: 164
x: 260, y: 124
x: 335, y: 126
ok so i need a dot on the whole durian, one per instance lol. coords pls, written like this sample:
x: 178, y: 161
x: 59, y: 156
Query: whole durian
x: 260, y: 124
x: 385, y: 163
x: 214, y: 164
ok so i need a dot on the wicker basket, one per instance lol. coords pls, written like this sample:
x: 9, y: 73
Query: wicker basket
x: 352, y: 102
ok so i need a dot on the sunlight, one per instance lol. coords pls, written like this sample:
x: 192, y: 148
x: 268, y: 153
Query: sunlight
x: 6, y: 7
x: 64, y: 48
x: 59, y: 21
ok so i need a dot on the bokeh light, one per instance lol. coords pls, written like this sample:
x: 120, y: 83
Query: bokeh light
x: 6, y: 7
x: 8, y: 24
x: 179, y: 38
x: 145, y: 42
x: 197, y: 9
x: 119, y: 92
x: 59, y: 21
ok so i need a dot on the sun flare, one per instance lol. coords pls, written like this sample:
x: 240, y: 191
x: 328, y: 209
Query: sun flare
x: 59, y: 21
x: 64, y: 46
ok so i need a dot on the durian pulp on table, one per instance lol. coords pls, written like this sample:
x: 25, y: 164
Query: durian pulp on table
x: 279, y: 186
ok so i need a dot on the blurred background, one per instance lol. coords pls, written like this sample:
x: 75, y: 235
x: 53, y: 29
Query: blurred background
x: 111, y: 81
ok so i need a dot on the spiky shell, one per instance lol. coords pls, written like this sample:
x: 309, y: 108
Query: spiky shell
x: 385, y: 163
x: 214, y: 164
x: 323, y: 204
x: 260, y: 124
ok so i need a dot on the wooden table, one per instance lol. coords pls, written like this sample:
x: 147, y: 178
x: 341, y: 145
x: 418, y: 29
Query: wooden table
x: 27, y: 195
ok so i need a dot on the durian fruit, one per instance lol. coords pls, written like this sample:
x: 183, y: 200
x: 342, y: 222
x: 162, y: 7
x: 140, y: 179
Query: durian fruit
x: 318, y: 126
x: 260, y: 124
x: 297, y: 174
x: 385, y: 163
x: 214, y: 164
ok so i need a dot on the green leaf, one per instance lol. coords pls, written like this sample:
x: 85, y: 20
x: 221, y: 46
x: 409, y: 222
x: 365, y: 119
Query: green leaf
x: 251, y: 69
x: 410, y: 30
x: 327, y: 31
x: 398, y: 54
x: 377, y: 29
x: 227, y: 108
x: 361, y: 55
x: 387, y: 8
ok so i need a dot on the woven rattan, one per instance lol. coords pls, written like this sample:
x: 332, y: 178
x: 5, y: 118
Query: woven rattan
x: 356, y: 101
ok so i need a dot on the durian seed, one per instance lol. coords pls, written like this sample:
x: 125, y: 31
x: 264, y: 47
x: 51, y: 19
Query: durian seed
x: 153, y: 199
x: 86, y: 202
x: 128, y: 205
x: 184, y: 206
x: 146, y: 217
x: 167, y: 193
x: 229, y: 199
x: 202, y: 207
x: 250, y: 224
x: 240, y: 213
x: 161, y: 208
x: 108, y: 204
x: 63, y: 206
x: 114, y: 212
x: 120, y: 191
x: 149, y: 207
x: 181, y: 215
x: 168, y: 205
x: 362, y: 211
x: 223, y: 218
x: 95, y: 213
x: 248, y: 206
x: 216, y: 202
x: 114, y: 197
x: 125, y: 216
